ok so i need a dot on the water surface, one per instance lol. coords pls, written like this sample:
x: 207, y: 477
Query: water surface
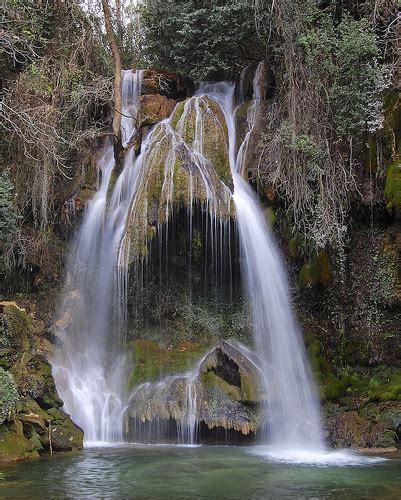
x: 141, y: 471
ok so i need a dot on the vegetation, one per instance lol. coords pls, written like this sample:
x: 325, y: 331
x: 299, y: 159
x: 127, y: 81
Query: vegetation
x: 328, y: 160
x: 201, y: 38
x: 56, y: 101
x: 8, y: 217
x: 8, y: 395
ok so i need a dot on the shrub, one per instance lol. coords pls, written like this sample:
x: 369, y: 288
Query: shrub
x: 8, y: 395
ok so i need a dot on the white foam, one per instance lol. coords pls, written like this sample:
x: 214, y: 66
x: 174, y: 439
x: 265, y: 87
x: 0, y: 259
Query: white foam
x: 322, y: 458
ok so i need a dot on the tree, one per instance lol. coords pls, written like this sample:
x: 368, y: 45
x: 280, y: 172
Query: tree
x: 199, y: 38
x: 108, y: 21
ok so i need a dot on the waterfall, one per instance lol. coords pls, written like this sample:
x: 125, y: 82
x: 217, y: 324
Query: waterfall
x: 89, y: 369
x: 176, y: 168
x: 292, y: 399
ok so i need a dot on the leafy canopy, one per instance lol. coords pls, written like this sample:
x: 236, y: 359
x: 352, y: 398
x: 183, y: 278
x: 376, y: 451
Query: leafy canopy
x: 200, y: 38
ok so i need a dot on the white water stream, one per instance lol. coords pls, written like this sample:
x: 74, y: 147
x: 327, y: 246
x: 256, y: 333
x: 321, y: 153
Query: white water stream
x: 90, y: 366
x: 292, y: 399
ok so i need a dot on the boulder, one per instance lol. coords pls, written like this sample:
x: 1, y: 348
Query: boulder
x: 370, y: 425
x: 15, y: 447
x: 65, y: 435
x: 155, y: 108
x: 34, y: 379
x: 228, y: 368
x: 29, y: 402
x: 171, y: 85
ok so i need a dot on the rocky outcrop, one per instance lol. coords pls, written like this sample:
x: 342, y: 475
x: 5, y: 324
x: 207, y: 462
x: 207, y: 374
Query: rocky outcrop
x: 227, y: 366
x: 165, y: 83
x: 364, y: 425
x: 224, y: 392
x: 31, y: 419
x: 185, y: 161
x: 155, y: 108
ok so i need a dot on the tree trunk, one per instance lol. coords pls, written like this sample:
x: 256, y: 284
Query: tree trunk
x: 117, y: 79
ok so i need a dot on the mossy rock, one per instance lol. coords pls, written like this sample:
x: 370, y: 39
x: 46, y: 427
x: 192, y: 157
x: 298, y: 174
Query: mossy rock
x: 316, y: 271
x: 17, y: 327
x: 15, y: 447
x: 226, y: 390
x: 270, y: 215
x: 392, y: 189
x: 210, y: 380
x: 154, y: 108
x: 36, y: 442
x: 65, y: 435
x: 241, y: 121
x: 153, y: 361
x: 174, y: 172
x: 8, y: 395
x: 231, y: 371
x: 214, y: 131
x: 34, y: 379
x: 294, y: 247
x: 177, y: 113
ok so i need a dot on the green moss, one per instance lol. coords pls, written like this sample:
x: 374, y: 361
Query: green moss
x: 177, y: 113
x: 270, y: 216
x: 315, y: 271
x: 65, y: 434
x: 216, y: 139
x: 293, y: 247
x: 17, y: 328
x: 211, y: 380
x: 153, y: 361
x: 392, y: 189
x: 242, y: 111
x: 14, y: 447
x: 385, y: 386
x: 8, y: 395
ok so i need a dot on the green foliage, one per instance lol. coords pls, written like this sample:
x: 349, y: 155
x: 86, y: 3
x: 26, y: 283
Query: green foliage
x: 344, y: 60
x: 8, y: 395
x: 392, y: 189
x: 315, y: 271
x: 8, y: 217
x: 375, y: 384
x: 199, y: 38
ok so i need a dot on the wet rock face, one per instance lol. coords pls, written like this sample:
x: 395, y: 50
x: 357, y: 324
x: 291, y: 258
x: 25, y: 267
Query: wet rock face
x: 32, y: 422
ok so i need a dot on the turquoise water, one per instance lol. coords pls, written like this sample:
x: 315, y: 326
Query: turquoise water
x: 136, y: 471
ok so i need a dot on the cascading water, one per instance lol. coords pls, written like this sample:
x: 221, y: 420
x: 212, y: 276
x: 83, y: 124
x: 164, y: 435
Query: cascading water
x: 89, y: 368
x: 292, y: 399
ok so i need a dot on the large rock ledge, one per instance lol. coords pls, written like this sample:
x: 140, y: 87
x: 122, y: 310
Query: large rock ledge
x: 31, y: 419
